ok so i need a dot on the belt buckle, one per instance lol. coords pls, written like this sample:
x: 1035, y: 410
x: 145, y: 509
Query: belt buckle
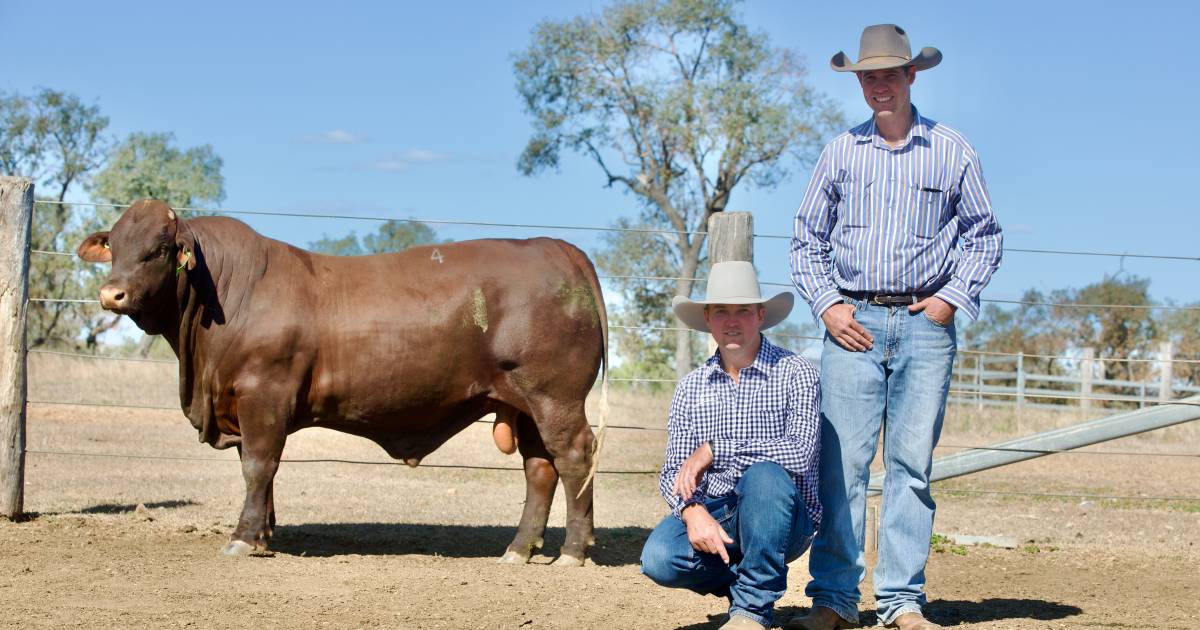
x: 877, y: 300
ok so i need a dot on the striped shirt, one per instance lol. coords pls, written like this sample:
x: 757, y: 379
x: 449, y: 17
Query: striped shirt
x: 911, y: 219
x: 771, y: 414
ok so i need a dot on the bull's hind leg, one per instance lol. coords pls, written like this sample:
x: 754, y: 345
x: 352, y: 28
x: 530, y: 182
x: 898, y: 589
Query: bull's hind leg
x: 568, y: 438
x: 540, y: 480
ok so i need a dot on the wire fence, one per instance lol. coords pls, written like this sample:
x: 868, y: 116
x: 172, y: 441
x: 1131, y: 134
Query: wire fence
x: 788, y: 286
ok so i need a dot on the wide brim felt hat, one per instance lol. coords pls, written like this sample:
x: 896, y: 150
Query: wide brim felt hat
x: 732, y: 282
x: 884, y: 46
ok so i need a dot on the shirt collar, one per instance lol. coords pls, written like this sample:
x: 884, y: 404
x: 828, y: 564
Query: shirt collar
x: 867, y: 132
x: 768, y: 354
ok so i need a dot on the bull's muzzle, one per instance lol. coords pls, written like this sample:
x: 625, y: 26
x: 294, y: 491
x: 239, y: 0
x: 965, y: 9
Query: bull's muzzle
x: 113, y: 298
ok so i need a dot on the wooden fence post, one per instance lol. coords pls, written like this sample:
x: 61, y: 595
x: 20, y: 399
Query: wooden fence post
x: 16, y: 216
x: 730, y: 237
x: 979, y: 364
x: 1087, y: 361
x: 1164, y: 367
x: 1020, y: 389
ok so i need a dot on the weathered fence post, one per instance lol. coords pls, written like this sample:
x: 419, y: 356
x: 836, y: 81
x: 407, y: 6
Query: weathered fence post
x: 1164, y: 367
x: 1087, y: 361
x: 979, y: 363
x: 16, y: 216
x: 730, y: 237
x: 1020, y: 389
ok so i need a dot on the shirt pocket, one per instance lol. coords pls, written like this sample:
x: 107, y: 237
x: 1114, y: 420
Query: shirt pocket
x: 854, y: 209
x: 929, y: 203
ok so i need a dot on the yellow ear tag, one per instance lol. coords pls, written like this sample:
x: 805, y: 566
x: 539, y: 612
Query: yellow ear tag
x: 186, y: 256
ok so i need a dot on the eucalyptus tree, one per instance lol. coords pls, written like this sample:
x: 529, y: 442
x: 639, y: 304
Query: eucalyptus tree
x: 678, y: 102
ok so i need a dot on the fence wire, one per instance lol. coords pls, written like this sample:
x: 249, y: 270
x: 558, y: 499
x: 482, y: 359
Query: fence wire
x: 1097, y: 497
x: 626, y: 427
x: 1063, y: 396
x: 570, y: 227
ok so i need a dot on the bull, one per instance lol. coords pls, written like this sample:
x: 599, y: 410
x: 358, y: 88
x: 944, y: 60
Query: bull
x: 404, y: 349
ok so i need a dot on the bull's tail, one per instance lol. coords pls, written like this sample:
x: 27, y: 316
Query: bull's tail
x: 589, y: 270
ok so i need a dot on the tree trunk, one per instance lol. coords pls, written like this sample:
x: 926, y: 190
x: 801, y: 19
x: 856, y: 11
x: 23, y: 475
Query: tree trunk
x: 683, y: 338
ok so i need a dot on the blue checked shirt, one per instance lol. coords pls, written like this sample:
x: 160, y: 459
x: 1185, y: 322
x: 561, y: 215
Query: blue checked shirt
x: 771, y: 414
x: 912, y: 219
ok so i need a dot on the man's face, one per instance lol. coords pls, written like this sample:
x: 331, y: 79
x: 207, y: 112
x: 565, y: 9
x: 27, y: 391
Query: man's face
x: 734, y: 325
x: 887, y: 91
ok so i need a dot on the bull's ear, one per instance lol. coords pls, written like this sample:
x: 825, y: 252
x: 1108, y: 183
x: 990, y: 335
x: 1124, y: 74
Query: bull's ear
x: 95, y: 248
x: 185, y: 247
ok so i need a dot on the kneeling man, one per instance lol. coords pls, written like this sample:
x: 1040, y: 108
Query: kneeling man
x: 740, y: 473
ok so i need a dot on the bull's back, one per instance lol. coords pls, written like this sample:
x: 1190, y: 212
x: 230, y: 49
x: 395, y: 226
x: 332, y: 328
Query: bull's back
x: 422, y: 332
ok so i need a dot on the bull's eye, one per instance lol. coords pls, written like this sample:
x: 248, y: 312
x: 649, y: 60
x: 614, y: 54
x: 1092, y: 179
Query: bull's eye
x: 157, y: 254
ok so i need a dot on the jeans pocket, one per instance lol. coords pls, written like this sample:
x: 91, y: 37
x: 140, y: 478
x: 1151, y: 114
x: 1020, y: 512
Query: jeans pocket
x: 933, y: 322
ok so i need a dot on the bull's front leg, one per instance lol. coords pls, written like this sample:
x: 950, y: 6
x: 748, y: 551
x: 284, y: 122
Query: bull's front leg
x: 263, y: 437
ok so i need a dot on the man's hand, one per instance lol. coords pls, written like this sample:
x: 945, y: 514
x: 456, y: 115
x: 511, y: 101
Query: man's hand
x: 704, y: 532
x: 839, y: 321
x: 688, y: 477
x: 936, y: 309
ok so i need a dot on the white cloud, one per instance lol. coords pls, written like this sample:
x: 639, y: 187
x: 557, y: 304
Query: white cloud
x: 402, y: 161
x: 335, y: 136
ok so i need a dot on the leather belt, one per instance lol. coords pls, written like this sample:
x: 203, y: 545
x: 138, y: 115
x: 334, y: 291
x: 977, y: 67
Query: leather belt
x: 886, y: 299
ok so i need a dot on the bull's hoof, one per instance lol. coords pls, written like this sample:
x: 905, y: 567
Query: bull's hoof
x: 567, y: 561
x: 238, y: 548
x: 512, y: 557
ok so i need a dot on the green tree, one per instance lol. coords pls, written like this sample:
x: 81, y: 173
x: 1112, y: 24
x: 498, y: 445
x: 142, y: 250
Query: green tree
x: 58, y: 141
x: 677, y: 102
x: 1114, y: 332
x: 1182, y: 329
x: 1031, y: 328
x: 147, y: 166
x: 637, y: 326
x: 392, y: 236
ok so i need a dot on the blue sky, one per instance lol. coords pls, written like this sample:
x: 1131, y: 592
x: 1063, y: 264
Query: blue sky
x: 1082, y: 114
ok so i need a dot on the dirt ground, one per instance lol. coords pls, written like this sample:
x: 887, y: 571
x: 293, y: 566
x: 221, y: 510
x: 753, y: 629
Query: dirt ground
x: 387, y: 546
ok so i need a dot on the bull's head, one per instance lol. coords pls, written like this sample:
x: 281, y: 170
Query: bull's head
x: 148, y: 247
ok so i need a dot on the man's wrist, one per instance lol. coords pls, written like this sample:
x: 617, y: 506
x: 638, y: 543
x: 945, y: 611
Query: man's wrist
x: 687, y: 506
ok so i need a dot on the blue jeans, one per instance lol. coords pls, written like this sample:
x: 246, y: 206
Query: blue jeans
x: 900, y: 384
x: 768, y: 521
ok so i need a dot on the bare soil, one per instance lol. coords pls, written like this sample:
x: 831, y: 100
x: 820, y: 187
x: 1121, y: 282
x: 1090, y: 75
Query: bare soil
x: 389, y: 546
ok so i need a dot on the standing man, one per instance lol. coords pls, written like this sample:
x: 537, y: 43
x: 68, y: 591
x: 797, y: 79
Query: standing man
x: 740, y: 473
x: 894, y: 236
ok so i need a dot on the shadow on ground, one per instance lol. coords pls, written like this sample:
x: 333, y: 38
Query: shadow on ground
x: 121, y: 508
x: 615, y: 546
x: 948, y: 612
x: 944, y: 612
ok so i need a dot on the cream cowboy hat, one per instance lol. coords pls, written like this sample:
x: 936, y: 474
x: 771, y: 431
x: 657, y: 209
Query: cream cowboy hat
x: 732, y: 282
x: 886, y: 46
